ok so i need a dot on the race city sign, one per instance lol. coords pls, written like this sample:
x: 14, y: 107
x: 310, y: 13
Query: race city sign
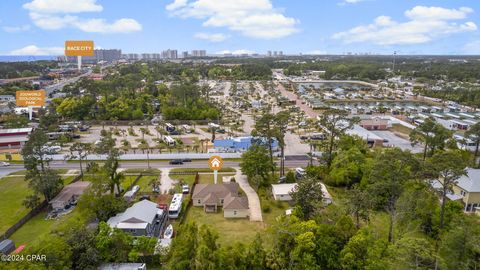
x: 79, y: 48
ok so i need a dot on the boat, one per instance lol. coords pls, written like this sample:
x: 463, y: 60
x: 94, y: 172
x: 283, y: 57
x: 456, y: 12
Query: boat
x: 168, y: 232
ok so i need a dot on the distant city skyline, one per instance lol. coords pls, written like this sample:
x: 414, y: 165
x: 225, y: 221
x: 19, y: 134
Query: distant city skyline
x: 425, y: 27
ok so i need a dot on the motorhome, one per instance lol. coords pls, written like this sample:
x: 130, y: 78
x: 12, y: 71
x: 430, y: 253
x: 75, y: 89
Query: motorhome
x: 175, y: 206
x: 169, y: 141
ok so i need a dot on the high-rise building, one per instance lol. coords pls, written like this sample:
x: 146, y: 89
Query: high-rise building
x: 170, y: 54
x: 184, y: 54
x: 199, y: 53
x: 280, y: 53
x: 269, y: 53
x: 111, y: 55
x: 275, y: 54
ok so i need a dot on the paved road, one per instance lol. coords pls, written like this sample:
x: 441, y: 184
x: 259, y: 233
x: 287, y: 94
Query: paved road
x: 289, y: 163
x: 291, y: 96
x: 253, y: 199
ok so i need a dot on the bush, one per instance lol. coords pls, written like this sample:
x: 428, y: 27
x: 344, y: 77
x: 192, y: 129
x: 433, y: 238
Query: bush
x: 266, y: 206
x: 290, y: 177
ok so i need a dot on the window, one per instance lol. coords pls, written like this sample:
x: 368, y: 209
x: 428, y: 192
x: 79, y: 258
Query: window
x: 462, y: 192
x: 221, y: 200
x: 469, y: 207
x: 199, y: 201
x: 234, y: 212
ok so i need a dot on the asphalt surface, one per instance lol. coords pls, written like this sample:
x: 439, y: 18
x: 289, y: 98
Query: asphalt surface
x: 290, y: 162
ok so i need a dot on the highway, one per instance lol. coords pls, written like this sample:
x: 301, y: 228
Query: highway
x: 290, y: 162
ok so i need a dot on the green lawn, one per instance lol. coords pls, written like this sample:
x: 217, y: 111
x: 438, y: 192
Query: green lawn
x: 12, y: 192
x: 144, y: 181
x: 401, y: 129
x: 229, y: 230
x: 127, y: 181
x: 157, y: 171
x: 38, y: 227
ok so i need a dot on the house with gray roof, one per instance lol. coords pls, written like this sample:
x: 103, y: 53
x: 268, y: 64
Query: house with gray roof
x: 225, y: 195
x: 142, y: 218
x: 468, y: 186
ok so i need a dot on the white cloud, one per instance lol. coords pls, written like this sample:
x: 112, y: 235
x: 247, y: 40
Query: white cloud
x: 34, y: 50
x: 176, y: 4
x: 56, y: 14
x: 424, y: 25
x: 16, y: 29
x: 346, y: 2
x: 63, y: 6
x: 216, y: 37
x: 236, y: 52
x: 252, y: 18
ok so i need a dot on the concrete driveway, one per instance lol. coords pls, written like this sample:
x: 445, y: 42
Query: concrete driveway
x: 253, y: 199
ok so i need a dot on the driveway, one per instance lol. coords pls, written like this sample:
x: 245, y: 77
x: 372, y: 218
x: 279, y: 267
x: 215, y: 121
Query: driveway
x: 253, y: 200
x: 166, y: 183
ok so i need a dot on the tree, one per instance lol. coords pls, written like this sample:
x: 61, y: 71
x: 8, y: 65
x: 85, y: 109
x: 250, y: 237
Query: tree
x: 359, y: 203
x: 40, y: 177
x: 447, y: 167
x: 390, y: 170
x: 183, y: 248
x: 111, y: 167
x: 79, y: 151
x: 256, y: 161
x: 335, y: 123
x: 281, y: 122
x: 431, y: 134
x: 460, y: 246
x: 266, y: 129
x: 82, y: 243
x: 412, y: 253
x: 12, y: 120
x: 113, y: 244
x: 347, y: 167
x: 474, y: 134
x: 307, y: 195
x: 56, y: 250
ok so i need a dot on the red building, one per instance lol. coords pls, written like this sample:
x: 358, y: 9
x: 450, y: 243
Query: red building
x: 14, y: 138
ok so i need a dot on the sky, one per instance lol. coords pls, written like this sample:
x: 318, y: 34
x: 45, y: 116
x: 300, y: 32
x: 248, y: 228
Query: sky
x: 40, y: 27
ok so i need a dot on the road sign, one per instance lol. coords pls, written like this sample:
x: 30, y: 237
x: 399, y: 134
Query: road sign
x: 34, y: 98
x: 215, y: 163
x: 79, y: 48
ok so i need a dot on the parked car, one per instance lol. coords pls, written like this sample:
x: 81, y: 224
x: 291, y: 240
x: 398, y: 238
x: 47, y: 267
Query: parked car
x: 176, y: 162
x: 4, y: 164
x: 187, y: 160
x: 185, y: 189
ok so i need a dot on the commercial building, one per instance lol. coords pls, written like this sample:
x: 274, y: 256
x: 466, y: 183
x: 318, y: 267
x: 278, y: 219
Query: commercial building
x: 14, y: 137
x: 240, y: 144
x: 375, y: 123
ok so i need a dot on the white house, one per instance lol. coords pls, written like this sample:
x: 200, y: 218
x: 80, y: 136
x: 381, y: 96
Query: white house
x: 281, y: 192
